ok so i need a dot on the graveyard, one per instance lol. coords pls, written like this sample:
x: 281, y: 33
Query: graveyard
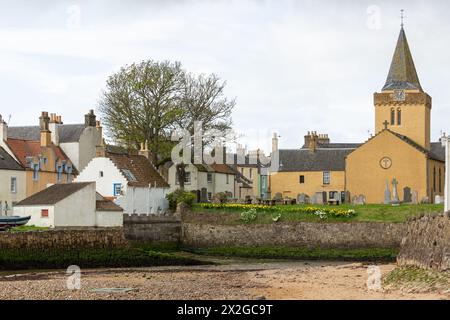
x: 386, y: 213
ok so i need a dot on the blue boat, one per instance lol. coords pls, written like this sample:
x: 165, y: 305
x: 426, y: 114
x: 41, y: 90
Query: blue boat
x: 7, y: 222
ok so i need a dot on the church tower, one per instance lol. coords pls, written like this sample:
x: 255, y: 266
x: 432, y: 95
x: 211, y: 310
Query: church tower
x: 402, y: 106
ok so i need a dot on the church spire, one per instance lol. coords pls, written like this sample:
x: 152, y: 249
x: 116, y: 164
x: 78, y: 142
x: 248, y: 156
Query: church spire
x: 402, y: 74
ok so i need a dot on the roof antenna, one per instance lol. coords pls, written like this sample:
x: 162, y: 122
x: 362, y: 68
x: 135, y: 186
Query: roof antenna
x: 402, y: 16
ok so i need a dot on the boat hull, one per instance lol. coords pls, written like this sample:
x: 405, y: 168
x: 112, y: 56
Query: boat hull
x: 14, y: 221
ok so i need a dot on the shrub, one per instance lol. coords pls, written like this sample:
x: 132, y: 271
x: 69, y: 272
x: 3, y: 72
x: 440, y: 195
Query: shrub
x: 249, y: 215
x: 180, y: 196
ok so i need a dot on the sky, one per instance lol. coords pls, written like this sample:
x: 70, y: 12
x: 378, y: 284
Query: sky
x: 292, y: 65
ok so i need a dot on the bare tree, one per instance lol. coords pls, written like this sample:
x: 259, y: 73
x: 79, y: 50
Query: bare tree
x: 141, y: 103
x: 203, y: 100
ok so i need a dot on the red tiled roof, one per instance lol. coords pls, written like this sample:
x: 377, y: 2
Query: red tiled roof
x: 143, y: 173
x: 30, y: 148
x: 221, y: 168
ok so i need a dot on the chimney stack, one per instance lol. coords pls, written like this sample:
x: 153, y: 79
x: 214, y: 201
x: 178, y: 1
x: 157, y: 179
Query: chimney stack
x: 100, y: 149
x: 313, y: 142
x: 3, y: 130
x: 145, y: 152
x: 274, y: 142
x: 53, y: 127
x: 90, y: 119
x: 44, y: 122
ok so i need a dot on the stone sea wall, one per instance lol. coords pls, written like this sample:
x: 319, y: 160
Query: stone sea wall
x: 427, y: 243
x: 302, y: 234
x: 64, y: 239
x: 155, y: 229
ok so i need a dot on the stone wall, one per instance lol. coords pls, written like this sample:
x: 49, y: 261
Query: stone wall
x: 302, y: 234
x: 157, y: 229
x: 427, y: 243
x: 65, y: 239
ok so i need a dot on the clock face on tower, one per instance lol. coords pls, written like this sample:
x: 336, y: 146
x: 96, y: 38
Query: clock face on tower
x: 399, y: 95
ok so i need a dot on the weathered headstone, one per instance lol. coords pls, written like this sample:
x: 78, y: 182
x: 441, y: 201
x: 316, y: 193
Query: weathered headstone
x: 387, y: 193
x: 320, y: 197
x: 407, y: 197
x: 302, y: 198
x: 278, y: 197
x: 415, y: 197
x: 359, y: 200
x: 438, y: 199
x: 395, y: 199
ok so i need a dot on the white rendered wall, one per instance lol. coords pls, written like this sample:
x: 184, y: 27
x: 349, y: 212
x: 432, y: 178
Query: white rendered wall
x: 72, y: 151
x: 78, y: 209
x: 109, y: 219
x: 144, y: 200
x: 111, y: 175
x: 89, y: 139
x: 36, y: 215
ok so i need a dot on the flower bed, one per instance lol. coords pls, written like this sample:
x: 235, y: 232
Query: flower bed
x: 323, y: 213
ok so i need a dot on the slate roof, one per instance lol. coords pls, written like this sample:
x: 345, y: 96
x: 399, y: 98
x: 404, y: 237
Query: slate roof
x: 138, y: 170
x: 67, y: 132
x: 402, y: 73
x: 53, y: 194
x: 28, y: 148
x: 7, y: 162
x: 336, y: 146
x: 325, y: 159
x: 435, y: 153
x: 438, y: 150
x: 107, y: 205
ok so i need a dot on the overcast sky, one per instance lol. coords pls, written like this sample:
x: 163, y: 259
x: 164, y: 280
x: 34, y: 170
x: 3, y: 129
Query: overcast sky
x: 293, y: 65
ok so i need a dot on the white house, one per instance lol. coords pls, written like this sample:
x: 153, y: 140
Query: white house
x: 78, y: 141
x: 12, y: 182
x: 205, y: 180
x: 70, y: 205
x: 131, y: 181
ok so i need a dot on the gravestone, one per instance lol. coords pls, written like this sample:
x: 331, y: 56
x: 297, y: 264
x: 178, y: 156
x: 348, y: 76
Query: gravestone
x: 387, y: 194
x: 407, y: 196
x: 395, y: 199
x: 302, y: 198
x: 425, y: 200
x: 415, y: 197
x: 278, y: 197
x: 359, y: 200
x: 438, y: 199
x: 320, y: 197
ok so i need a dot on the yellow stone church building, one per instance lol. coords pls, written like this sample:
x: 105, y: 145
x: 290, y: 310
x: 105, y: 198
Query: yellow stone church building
x: 398, y: 163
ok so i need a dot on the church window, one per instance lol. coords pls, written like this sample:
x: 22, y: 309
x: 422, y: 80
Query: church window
x: 434, y: 179
x: 440, y: 180
x: 399, y: 116
x: 392, y: 117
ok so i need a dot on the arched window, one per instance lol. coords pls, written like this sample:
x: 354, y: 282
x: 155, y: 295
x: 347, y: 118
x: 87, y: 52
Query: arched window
x: 434, y: 179
x: 440, y: 181
x: 392, y: 117
x: 399, y: 116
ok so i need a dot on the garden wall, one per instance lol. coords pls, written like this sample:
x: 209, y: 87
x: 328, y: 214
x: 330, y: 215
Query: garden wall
x: 156, y: 229
x: 427, y: 243
x: 301, y: 234
x: 64, y: 239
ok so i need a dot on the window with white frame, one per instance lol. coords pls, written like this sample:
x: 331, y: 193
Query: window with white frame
x: 209, y: 177
x: 13, y: 185
x: 326, y: 177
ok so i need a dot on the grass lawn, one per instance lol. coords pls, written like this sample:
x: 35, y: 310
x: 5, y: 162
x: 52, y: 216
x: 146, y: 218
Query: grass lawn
x: 417, y: 280
x: 365, y: 213
x: 298, y: 253
x: 27, y: 228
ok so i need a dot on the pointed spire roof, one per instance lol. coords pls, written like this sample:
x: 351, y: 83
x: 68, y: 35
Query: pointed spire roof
x: 402, y: 74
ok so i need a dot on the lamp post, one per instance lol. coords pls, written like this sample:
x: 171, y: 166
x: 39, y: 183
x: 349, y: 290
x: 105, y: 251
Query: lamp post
x: 446, y: 143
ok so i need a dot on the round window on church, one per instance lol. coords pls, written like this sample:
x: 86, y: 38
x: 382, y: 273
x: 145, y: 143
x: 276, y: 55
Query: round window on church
x: 386, y: 163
